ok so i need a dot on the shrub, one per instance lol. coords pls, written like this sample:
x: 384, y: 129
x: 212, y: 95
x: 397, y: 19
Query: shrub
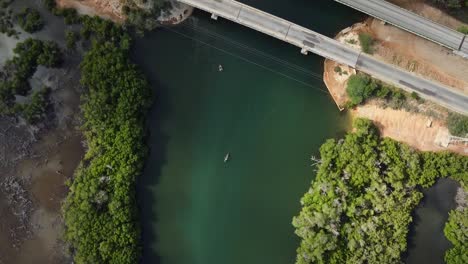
x: 359, y: 206
x: 366, y: 41
x: 463, y: 29
x: 100, y: 211
x: 337, y: 69
x: 70, y: 16
x: 28, y: 55
x: 457, y: 124
x: 36, y: 109
x: 30, y: 20
x: 415, y: 96
x: 359, y: 88
x: 71, y: 37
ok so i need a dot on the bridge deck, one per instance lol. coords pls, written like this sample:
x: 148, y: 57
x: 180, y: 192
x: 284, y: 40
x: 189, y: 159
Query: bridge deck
x: 411, y: 22
x: 329, y: 48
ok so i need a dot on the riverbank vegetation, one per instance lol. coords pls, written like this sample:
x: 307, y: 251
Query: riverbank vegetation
x: 6, y: 19
x: 358, y: 209
x: 366, y: 41
x: 100, y: 210
x: 463, y: 29
x: 361, y: 87
x: 456, y: 229
x: 458, y: 124
x: 30, y: 20
x: 16, y: 72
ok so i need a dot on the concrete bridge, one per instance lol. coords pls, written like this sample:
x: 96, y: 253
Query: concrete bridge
x: 409, y: 21
x: 310, y: 41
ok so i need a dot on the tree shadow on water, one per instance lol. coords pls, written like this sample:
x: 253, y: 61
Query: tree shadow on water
x: 157, y: 142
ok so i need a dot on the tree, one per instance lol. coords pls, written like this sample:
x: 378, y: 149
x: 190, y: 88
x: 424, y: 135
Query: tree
x: 457, y: 124
x: 358, y: 209
x: 359, y: 88
x: 366, y: 41
x: 71, y: 37
x: 100, y: 210
x: 30, y: 20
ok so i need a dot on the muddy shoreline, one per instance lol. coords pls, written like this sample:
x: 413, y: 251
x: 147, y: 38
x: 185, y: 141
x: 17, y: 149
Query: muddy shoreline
x: 36, y: 161
x: 33, y: 179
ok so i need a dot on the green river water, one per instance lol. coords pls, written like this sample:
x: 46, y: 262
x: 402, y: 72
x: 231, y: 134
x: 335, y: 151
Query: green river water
x: 268, y: 108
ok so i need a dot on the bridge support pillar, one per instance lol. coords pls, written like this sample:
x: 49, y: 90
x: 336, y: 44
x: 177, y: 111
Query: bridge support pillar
x: 214, y: 16
x: 304, y: 51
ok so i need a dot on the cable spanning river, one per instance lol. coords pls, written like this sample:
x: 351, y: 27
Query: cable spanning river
x: 268, y: 108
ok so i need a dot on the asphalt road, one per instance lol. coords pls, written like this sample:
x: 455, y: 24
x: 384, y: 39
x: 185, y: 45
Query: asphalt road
x: 412, y: 22
x: 311, y: 41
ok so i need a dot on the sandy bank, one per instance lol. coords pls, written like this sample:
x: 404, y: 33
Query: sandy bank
x: 109, y: 9
x: 424, y: 126
x: 112, y: 9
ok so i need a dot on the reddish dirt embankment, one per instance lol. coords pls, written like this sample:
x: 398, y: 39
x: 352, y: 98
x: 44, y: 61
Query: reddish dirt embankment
x: 423, y: 127
x: 110, y: 9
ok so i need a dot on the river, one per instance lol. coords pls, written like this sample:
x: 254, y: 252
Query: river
x: 268, y: 108
x: 427, y: 242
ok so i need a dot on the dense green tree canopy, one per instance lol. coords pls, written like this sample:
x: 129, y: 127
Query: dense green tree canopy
x: 14, y: 76
x: 100, y: 210
x: 358, y: 208
x: 30, y: 20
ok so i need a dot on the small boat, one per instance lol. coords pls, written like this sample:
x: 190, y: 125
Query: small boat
x: 226, y: 158
x: 220, y: 68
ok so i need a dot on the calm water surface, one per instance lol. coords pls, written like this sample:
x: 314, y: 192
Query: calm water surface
x: 268, y: 108
x: 427, y: 243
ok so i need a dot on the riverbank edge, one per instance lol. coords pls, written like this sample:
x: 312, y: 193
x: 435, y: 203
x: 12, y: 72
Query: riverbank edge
x: 101, y: 201
x: 398, y: 124
x: 338, y: 93
x: 306, y: 221
x: 174, y: 15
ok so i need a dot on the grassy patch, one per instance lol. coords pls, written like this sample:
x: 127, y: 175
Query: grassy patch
x: 366, y: 41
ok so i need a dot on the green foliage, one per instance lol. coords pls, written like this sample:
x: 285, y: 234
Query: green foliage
x: 28, y: 55
x: 69, y: 15
x: 456, y: 231
x: 6, y: 19
x: 71, y: 37
x: 358, y: 209
x: 457, y: 124
x: 366, y: 41
x: 36, y: 109
x: 50, y: 5
x: 360, y: 87
x: 463, y: 29
x: 337, y: 69
x: 415, y: 96
x: 100, y: 211
x: 449, y: 3
x: 104, y: 31
x: 30, y: 20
